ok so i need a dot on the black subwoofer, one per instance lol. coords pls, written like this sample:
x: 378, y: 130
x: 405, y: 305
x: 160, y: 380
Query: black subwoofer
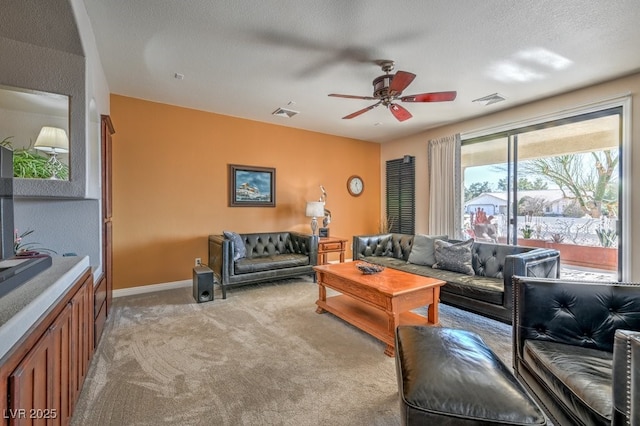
x: 202, y: 284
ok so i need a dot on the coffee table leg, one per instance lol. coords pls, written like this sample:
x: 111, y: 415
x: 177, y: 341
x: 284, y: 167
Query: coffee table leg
x: 322, y: 297
x: 390, y: 350
x: 392, y: 323
x: 432, y: 312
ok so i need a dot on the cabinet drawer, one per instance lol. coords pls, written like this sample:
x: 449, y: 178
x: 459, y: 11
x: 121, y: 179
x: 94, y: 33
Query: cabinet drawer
x: 330, y: 246
x: 101, y: 317
x: 100, y: 294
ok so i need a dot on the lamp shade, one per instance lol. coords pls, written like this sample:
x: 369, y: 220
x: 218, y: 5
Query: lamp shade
x: 52, y: 140
x: 315, y: 209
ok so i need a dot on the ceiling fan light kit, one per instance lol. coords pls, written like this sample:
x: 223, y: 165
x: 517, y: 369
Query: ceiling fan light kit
x: 388, y: 88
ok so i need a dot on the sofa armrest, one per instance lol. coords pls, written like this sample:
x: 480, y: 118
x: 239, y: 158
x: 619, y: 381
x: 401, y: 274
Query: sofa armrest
x: 541, y: 263
x: 305, y: 244
x: 221, y: 257
x: 626, y: 377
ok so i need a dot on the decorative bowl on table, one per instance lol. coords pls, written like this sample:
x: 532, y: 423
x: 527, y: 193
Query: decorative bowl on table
x: 369, y: 268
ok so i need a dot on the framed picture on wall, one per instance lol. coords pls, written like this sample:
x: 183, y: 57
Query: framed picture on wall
x: 251, y: 186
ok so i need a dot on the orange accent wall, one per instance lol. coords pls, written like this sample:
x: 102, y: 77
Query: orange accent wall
x: 170, y: 185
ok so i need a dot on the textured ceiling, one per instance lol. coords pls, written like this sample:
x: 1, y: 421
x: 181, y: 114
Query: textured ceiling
x: 246, y: 58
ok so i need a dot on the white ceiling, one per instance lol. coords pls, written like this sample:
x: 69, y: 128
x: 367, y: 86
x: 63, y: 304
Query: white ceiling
x: 246, y: 58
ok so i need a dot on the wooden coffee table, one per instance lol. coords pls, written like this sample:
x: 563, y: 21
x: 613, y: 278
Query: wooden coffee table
x: 377, y: 303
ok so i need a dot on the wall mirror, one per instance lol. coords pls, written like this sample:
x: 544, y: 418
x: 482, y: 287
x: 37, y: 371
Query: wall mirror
x: 40, y: 60
x: 48, y: 75
x: 35, y: 125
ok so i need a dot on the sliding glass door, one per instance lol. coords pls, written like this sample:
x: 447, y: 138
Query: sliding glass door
x: 555, y: 184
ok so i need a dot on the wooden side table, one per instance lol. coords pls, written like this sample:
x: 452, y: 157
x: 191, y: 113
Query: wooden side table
x: 330, y: 245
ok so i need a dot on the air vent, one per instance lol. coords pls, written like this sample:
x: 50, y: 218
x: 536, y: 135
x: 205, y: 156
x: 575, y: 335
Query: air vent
x: 286, y: 113
x: 491, y: 99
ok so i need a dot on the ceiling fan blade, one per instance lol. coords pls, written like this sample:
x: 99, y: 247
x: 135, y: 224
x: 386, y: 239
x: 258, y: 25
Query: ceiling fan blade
x: 368, y: 98
x: 399, y: 112
x: 430, y: 97
x: 400, y: 82
x: 360, y: 112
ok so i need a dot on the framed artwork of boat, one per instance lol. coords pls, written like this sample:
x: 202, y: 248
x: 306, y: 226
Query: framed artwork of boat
x: 251, y: 186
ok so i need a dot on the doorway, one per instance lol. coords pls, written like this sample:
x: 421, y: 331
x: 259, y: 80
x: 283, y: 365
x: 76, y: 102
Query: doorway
x: 555, y: 184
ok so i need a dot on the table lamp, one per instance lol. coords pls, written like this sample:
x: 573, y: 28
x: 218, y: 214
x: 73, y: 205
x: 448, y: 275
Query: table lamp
x: 314, y: 210
x: 53, y: 141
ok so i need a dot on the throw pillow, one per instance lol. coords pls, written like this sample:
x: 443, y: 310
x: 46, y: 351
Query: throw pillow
x: 239, y: 250
x: 455, y: 257
x: 423, y: 250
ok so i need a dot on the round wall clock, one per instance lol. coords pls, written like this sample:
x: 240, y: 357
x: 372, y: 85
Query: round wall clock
x: 355, y: 185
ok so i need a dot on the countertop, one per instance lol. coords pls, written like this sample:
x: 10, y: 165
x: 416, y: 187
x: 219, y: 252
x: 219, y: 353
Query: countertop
x: 22, y: 307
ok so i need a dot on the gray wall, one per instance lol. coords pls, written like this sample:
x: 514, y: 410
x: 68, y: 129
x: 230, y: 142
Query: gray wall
x: 59, y: 58
x: 66, y: 226
x: 37, y: 58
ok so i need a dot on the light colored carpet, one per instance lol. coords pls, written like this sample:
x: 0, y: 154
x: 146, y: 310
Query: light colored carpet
x: 260, y: 357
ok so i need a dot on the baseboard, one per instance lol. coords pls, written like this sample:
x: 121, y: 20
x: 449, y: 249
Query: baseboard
x: 163, y: 286
x: 151, y: 288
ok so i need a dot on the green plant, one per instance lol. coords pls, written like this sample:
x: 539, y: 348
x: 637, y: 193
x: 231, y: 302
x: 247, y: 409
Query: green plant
x: 22, y: 248
x: 557, y: 237
x: 607, y: 237
x: 527, y: 231
x: 28, y: 163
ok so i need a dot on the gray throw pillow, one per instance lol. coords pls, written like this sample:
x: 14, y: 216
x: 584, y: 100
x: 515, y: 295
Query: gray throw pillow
x: 423, y: 249
x: 239, y: 250
x: 455, y: 257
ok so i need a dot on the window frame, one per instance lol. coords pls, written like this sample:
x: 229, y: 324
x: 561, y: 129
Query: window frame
x: 589, y: 111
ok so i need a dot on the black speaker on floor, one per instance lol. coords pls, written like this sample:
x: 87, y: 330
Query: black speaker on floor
x: 202, y: 284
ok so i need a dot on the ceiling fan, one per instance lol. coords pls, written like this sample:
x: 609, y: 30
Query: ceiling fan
x: 388, y: 88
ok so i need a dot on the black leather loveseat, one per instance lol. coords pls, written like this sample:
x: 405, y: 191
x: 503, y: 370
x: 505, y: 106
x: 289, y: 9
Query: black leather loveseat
x: 268, y: 256
x: 576, y: 346
x: 488, y: 292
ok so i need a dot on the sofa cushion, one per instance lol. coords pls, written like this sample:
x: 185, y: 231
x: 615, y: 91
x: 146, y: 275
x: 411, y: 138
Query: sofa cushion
x: 489, y: 259
x: 487, y: 289
x: 455, y: 257
x: 383, y: 247
x: 239, y: 250
x: 266, y: 263
x: 423, y: 249
x: 579, y: 377
x: 401, y: 246
x: 268, y: 244
x: 390, y: 262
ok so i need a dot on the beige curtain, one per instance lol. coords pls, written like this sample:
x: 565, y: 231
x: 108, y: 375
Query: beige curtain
x: 445, y: 187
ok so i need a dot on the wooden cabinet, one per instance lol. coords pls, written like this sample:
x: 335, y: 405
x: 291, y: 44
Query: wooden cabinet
x: 330, y: 245
x: 44, y: 372
x: 104, y: 287
x: 100, y: 308
x: 63, y: 364
x: 31, y: 383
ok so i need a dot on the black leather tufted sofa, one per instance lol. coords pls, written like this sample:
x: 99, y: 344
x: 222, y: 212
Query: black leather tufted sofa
x: 488, y: 293
x: 576, y: 345
x: 270, y: 256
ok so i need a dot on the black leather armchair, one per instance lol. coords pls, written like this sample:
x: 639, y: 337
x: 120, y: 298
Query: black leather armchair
x: 576, y: 345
